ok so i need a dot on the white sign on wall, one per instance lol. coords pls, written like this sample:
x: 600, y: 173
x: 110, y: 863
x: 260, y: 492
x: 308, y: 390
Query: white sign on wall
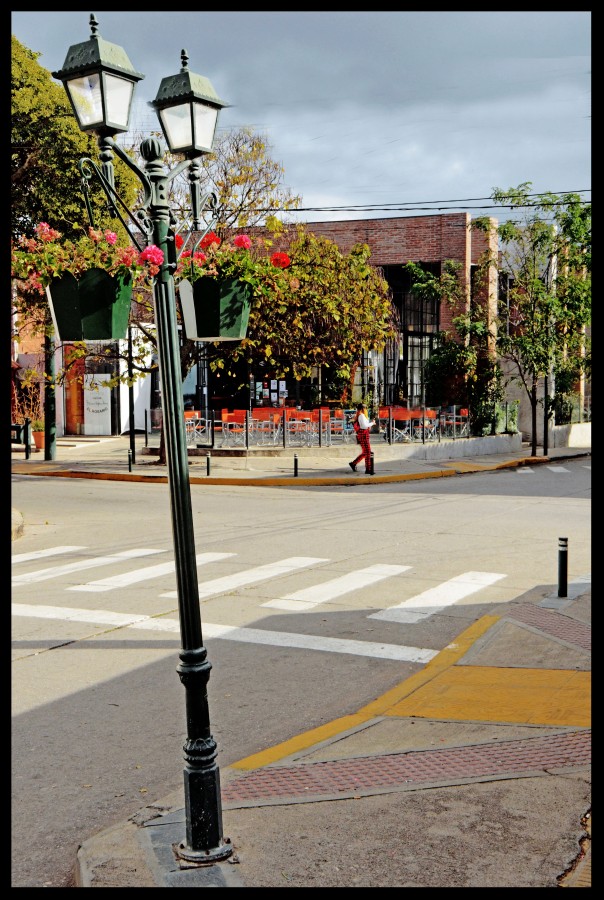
x: 97, y: 405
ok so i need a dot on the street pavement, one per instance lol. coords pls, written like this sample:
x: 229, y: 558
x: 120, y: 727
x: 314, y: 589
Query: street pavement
x: 473, y: 772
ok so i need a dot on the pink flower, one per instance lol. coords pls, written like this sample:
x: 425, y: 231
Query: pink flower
x: 152, y: 254
x: 200, y: 257
x: 111, y: 237
x: 280, y: 260
x: 46, y: 233
x: 242, y: 241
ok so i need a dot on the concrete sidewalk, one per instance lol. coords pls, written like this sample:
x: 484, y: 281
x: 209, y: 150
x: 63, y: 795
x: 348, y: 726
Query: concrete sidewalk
x: 109, y: 457
x: 474, y: 772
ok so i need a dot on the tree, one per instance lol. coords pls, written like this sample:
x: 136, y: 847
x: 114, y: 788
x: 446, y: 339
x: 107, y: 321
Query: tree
x: 337, y: 306
x: 546, y: 255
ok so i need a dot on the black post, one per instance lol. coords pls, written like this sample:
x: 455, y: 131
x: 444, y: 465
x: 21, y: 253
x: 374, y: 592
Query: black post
x: 131, y: 397
x: 208, y: 464
x: 50, y: 405
x: 563, y: 567
x: 372, y: 469
x: 295, y: 465
x: 27, y: 437
x: 545, y: 417
x: 203, y: 806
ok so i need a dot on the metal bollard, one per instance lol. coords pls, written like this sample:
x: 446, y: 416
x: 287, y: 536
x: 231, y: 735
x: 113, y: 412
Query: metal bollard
x: 372, y: 469
x: 129, y: 460
x: 563, y: 567
x: 207, y: 464
x: 295, y: 465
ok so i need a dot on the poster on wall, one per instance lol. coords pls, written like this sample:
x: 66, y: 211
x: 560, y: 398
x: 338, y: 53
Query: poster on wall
x: 274, y: 398
x: 97, y: 405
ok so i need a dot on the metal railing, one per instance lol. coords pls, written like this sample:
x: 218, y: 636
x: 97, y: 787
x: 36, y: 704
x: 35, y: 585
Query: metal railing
x: 319, y: 427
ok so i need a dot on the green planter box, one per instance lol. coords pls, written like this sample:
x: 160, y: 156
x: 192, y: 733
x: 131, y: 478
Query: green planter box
x: 94, y: 308
x: 215, y: 310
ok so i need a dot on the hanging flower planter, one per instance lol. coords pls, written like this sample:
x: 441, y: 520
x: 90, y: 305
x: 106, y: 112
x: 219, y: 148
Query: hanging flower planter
x: 215, y: 310
x: 95, y: 307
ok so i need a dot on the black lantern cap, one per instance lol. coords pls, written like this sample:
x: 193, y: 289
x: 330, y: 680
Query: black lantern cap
x: 94, y: 55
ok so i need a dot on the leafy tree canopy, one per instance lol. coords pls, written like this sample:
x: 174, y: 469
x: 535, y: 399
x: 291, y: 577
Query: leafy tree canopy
x: 546, y: 254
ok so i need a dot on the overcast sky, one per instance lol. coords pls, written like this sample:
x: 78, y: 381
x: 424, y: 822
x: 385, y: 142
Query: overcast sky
x: 373, y: 114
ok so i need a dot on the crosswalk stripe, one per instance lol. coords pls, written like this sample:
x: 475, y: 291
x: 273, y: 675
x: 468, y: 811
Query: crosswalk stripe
x: 435, y: 599
x: 80, y: 565
x: 92, y: 616
x: 42, y: 554
x: 307, y: 598
x: 128, y: 578
x: 231, y: 633
x: 251, y: 576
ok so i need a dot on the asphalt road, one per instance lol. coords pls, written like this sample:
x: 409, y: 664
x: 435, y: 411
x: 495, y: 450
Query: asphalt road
x: 95, y: 733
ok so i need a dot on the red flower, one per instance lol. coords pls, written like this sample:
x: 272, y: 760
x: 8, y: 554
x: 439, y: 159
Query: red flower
x: 243, y: 241
x: 178, y: 240
x: 210, y: 238
x: 280, y: 260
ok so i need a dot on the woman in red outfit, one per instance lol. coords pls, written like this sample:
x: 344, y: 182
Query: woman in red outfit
x: 361, y: 425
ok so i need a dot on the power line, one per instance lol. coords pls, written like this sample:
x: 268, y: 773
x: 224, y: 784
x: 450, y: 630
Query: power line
x: 409, y: 206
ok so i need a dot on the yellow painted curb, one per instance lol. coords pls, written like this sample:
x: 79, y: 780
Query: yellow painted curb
x: 379, y: 707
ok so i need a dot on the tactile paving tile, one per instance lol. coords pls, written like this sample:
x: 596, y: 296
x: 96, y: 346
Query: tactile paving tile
x: 553, y: 623
x: 378, y: 774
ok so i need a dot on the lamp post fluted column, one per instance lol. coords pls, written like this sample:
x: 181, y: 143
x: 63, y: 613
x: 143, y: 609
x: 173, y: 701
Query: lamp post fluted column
x: 204, y: 838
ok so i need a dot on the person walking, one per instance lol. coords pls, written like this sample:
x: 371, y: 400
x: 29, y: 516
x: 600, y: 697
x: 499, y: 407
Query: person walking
x: 361, y: 425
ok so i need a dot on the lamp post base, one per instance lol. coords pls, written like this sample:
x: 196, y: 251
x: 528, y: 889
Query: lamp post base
x: 203, y: 857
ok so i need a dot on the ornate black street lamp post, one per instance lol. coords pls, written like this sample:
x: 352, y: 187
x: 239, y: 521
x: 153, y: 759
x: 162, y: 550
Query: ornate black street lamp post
x: 99, y: 81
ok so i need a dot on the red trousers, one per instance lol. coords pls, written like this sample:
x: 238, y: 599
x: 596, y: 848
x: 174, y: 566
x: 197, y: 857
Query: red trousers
x: 365, y: 453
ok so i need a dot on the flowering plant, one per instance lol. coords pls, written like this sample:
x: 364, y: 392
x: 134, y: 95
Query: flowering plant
x: 36, y: 261
x: 239, y: 259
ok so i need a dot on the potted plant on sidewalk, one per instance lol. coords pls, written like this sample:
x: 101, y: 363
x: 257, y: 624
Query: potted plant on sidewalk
x: 37, y: 433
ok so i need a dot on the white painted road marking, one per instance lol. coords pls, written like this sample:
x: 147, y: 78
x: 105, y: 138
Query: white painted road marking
x: 434, y: 600
x: 230, y: 633
x: 128, y: 578
x: 42, y: 554
x: 251, y: 576
x: 44, y: 574
x: 307, y: 598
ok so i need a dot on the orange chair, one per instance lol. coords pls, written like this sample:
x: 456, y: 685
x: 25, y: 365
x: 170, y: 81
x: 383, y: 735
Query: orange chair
x: 233, y: 427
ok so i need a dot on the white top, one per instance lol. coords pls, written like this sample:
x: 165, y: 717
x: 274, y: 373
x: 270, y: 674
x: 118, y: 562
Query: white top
x: 363, y: 421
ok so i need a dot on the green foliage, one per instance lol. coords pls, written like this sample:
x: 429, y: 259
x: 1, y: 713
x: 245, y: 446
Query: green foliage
x: 337, y: 305
x: 547, y: 255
